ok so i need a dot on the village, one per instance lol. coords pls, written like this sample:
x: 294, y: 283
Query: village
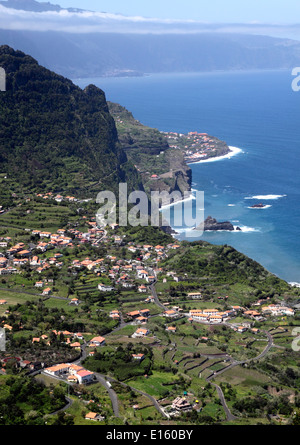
x: 148, y: 316
x: 197, y: 146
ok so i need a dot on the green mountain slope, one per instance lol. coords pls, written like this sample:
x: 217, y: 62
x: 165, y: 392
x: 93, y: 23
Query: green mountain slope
x: 222, y: 270
x: 55, y: 136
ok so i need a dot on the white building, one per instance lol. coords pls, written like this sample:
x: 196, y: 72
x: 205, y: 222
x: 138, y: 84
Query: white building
x: 97, y: 341
x: 141, y: 333
x: 195, y: 295
x: 104, y: 288
x: 57, y: 370
x: 84, y: 377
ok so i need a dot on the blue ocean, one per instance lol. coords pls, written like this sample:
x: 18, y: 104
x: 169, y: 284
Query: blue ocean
x: 255, y: 111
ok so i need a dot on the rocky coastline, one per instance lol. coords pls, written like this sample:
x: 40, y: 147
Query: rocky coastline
x: 211, y: 224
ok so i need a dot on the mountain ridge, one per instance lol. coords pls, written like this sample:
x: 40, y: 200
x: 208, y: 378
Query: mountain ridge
x: 104, y: 54
x: 34, y: 6
x: 62, y: 136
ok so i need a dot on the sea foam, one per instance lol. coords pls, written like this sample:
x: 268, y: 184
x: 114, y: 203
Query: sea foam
x: 233, y: 152
x: 245, y: 229
x: 265, y: 197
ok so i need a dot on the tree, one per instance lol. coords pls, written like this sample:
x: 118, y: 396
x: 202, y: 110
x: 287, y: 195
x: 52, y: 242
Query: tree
x: 63, y: 419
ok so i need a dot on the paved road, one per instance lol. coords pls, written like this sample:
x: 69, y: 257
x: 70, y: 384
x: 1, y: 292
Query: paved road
x: 154, y: 295
x: 112, y: 394
x: 104, y: 382
x: 69, y: 403
x: 229, y: 415
x: 152, y: 399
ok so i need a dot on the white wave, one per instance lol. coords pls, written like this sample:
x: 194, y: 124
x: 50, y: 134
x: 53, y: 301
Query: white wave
x: 233, y: 152
x: 246, y: 229
x: 187, y: 230
x: 231, y: 205
x: 179, y: 230
x: 294, y: 284
x: 217, y: 231
x: 265, y: 197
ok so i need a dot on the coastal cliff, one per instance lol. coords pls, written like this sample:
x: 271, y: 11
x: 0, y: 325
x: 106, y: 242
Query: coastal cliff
x: 161, y: 167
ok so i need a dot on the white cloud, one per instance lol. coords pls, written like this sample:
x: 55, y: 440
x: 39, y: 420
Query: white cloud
x: 87, y: 22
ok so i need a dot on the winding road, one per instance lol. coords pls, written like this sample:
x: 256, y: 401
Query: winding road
x: 229, y: 415
x: 106, y: 381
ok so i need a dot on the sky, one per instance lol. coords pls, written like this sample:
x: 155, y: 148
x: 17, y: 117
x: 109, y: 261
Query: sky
x: 221, y: 11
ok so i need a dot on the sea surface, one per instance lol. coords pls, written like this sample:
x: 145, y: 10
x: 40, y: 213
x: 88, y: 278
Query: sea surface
x: 255, y: 111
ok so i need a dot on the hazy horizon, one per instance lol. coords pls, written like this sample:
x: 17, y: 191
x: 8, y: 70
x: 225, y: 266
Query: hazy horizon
x: 160, y: 17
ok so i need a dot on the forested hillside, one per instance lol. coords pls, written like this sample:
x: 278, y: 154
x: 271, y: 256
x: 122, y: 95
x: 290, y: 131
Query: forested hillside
x: 55, y: 136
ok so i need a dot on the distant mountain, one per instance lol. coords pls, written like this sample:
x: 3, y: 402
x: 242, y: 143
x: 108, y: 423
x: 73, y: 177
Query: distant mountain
x: 32, y: 5
x: 55, y: 136
x: 112, y: 54
x: 79, y: 44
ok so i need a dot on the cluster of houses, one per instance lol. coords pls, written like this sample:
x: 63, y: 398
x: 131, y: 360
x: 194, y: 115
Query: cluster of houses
x: 52, y: 240
x: 277, y: 310
x: 71, y: 372
x: 139, y: 316
x: 57, y: 198
x: 211, y: 315
x: 72, y: 339
x: 148, y: 251
x: 197, y: 145
x: 120, y: 273
x: 20, y: 254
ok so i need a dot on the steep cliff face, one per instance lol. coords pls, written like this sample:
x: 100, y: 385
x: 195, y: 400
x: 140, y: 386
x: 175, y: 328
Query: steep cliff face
x: 53, y: 135
x: 161, y: 168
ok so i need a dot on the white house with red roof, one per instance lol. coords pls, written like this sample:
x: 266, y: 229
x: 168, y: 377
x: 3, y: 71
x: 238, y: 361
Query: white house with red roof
x: 97, y: 341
